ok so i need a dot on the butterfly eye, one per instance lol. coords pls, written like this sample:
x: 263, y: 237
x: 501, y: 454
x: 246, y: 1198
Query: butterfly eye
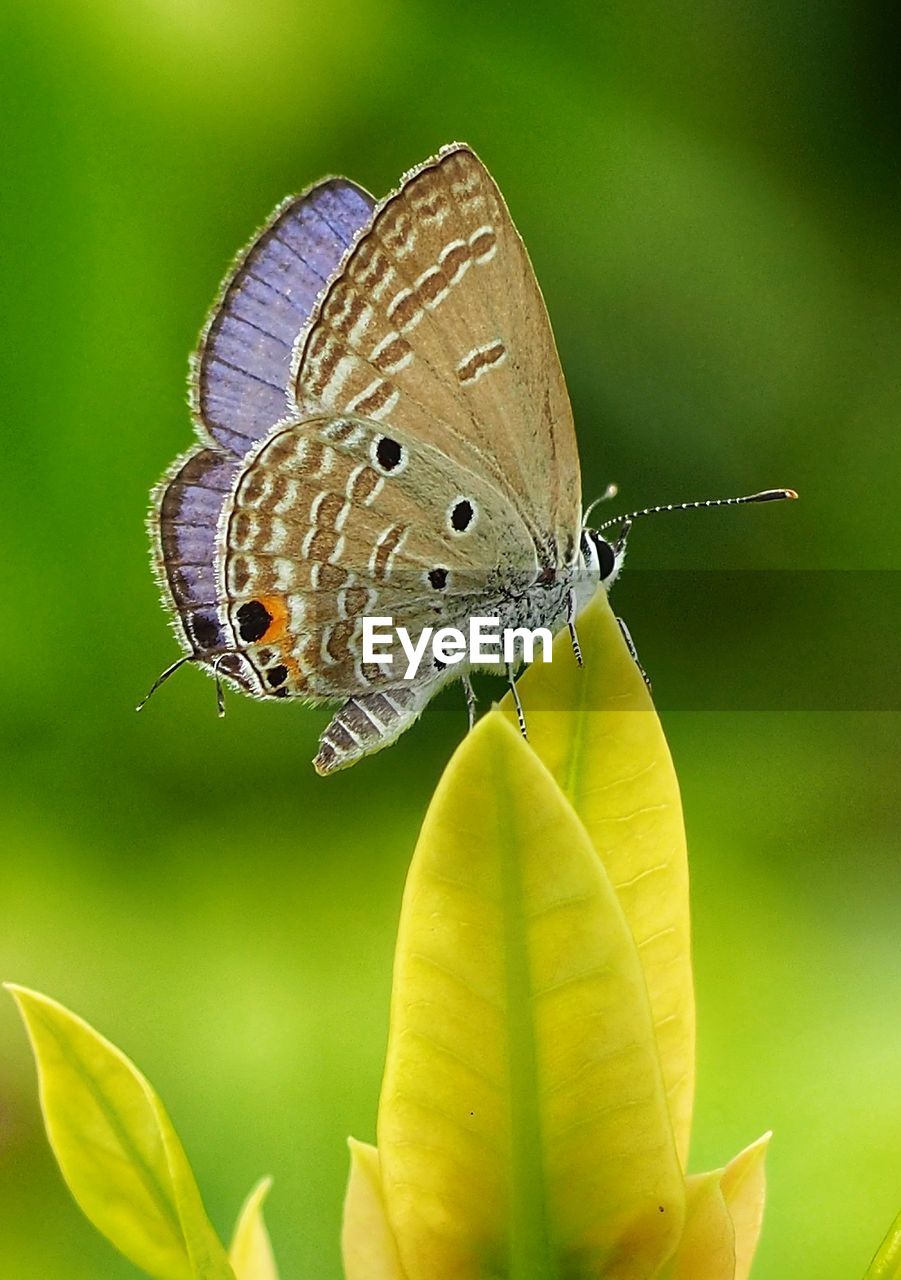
x: 388, y: 454
x: 461, y: 515
x: 606, y: 558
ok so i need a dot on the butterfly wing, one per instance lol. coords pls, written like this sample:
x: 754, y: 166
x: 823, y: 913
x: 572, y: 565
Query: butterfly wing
x: 436, y: 326
x: 241, y: 372
x: 183, y: 523
x: 332, y: 520
x: 239, y: 390
x: 186, y: 510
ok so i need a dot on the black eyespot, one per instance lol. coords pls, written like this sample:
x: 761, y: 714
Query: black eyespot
x: 439, y: 665
x: 205, y: 629
x: 438, y: 578
x: 253, y: 620
x: 606, y: 557
x: 277, y: 675
x: 388, y: 453
x: 461, y: 515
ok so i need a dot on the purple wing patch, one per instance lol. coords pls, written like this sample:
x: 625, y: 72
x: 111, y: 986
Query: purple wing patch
x: 188, y: 507
x: 242, y: 367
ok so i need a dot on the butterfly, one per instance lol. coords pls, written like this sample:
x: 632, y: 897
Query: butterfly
x: 384, y: 431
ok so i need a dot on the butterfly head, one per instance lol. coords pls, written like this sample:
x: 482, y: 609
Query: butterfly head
x: 602, y: 559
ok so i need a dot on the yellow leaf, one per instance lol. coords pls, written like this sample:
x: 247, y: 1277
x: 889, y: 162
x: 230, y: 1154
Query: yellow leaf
x: 707, y: 1248
x: 744, y: 1188
x: 887, y: 1263
x: 251, y: 1250
x: 596, y: 729
x: 367, y: 1245
x: 117, y: 1149
x: 523, y: 1129
x: 723, y: 1216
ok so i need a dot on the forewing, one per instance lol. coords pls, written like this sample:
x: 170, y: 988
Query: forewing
x: 327, y: 526
x: 436, y: 326
x: 241, y: 372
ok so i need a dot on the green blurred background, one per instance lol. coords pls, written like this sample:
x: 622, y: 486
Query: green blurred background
x: 710, y: 195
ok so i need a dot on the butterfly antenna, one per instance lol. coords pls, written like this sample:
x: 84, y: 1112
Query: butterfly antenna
x: 767, y: 495
x: 610, y: 492
x: 161, y: 679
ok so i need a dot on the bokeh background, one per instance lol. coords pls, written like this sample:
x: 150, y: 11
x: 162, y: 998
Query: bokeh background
x: 709, y: 192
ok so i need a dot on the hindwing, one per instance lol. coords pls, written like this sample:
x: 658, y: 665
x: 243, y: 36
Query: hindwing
x: 332, y: 520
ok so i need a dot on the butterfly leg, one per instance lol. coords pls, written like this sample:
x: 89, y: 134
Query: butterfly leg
x: 571, y: 623
x: 630, y: 645
x: 471, y: 699
x: 511, y: 681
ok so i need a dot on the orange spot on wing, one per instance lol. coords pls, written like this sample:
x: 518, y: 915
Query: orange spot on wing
x: 277, y: 609
x: 277, y: 636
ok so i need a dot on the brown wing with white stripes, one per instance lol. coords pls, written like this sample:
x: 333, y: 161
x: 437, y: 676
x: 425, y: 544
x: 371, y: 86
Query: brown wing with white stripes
x: 436, y: 328
x: 335, y: 519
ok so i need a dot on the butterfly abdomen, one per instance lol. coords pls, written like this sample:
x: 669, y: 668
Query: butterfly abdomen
x: 368, y: 723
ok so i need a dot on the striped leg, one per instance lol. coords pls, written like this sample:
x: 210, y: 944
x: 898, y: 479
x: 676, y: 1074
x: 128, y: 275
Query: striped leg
x: 511, y: 681
x: 571, y: 623
x: 471, y: 699
x: 630, y: 645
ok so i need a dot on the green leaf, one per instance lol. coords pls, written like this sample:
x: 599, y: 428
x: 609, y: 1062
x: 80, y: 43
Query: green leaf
x: 523, y: 1128
x: 117, y: 1149
x: 250, y: 1253
x: 887, y: 1263
x: 596, y: 729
